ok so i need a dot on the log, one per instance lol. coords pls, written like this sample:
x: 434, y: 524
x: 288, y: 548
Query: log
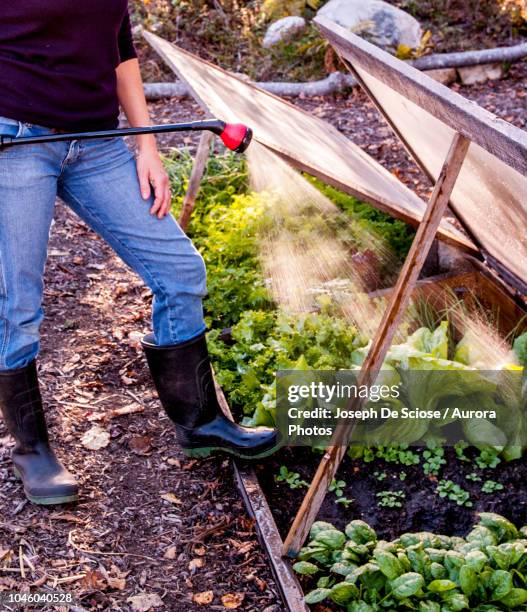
x: 158, y: 91
x: 471, y: 58
x: 337, y: 81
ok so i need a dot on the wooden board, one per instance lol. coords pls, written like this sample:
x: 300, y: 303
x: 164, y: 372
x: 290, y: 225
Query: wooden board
x: 258, y: 509
x: 476, y: 290
x: 490, y: 198
x: 306, y: 142
x: 499, y: 137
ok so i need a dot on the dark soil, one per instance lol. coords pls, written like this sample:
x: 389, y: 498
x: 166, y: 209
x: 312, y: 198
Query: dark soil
x: 123, y: 538
x: 422, y: 509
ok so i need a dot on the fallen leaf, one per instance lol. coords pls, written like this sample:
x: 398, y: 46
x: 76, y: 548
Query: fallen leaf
x: 95, y: 438
x: 245, y: 548
x: 195, y: 564
x: 144, y: 602
x: 204, y: 598
x: 170, y: 552
x: 135, y: 337
x: 94, y: 581
x: 128, y: 409
x: 116, y: 583
x: 141, y: 445
x: 232, y: 600
x: 175, y: 462
x: 261, y: 584
x: 66, y: 516
x: 170, y: 497
x: 118, y: 333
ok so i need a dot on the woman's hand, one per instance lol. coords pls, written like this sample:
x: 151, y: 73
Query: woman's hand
x: 152, y: 173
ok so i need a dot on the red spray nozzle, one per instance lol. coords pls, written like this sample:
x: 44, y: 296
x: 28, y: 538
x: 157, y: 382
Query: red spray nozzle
x: 236, y: 137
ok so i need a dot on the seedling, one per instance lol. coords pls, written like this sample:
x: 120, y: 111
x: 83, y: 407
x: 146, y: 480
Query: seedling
x: 453, y: 492
x: 491, y: 486
x: 369, y: 455
x: 398, y: 455
x: 460, y: 447
x: 337, y: 487
x: 488, y: 459
x: 292, y: 479
x: 391, y: 499
x: 473, y: 476
x: 380, y: 476
x: 434, y: 460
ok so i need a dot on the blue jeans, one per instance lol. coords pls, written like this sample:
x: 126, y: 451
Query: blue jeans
x: 98, y: 180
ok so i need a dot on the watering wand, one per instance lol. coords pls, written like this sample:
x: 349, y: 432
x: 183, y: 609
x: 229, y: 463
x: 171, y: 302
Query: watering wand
x: 235, y: 136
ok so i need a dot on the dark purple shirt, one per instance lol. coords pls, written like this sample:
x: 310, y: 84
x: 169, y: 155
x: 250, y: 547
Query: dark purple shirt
x: 58, y: 60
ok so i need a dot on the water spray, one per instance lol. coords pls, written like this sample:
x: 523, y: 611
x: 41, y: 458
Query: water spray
x: 235, y: 136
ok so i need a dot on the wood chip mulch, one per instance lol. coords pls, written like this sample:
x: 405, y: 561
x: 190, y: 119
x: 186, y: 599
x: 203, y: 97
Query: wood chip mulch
x: 153, y: 529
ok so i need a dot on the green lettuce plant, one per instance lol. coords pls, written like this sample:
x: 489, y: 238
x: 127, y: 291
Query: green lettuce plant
x: 485, y: 572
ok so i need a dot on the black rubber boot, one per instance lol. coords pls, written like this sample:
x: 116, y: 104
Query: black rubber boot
x: 183, y: 378
x: 45, y: 480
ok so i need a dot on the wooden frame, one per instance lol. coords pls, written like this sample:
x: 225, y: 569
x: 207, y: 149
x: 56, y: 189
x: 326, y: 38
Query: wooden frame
x: 500, y: 138
x: 266, y: 529
x: 198, y: 169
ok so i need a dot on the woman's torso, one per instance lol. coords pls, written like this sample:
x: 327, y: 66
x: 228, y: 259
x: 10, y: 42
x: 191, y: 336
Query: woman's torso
x: 58, y: 60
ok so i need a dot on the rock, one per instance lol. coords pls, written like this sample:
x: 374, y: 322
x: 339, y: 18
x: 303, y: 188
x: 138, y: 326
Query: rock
x: 472, y: 75
x: 283, y: 30
x: 385, y: 25
x: 446, y: 76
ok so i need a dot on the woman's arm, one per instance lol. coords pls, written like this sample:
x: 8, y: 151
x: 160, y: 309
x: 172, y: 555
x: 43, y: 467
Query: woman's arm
x: 150, y: 169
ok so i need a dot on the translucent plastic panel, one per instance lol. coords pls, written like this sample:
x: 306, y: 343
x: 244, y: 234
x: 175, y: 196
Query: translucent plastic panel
x: 490, y: 197
x: 311, y: 144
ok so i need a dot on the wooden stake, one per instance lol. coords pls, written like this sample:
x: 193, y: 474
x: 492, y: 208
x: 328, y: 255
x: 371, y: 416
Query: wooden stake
x: 381, y: 343
x: 198, y: 169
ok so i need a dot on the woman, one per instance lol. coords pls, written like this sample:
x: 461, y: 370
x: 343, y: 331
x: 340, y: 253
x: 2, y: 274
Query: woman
x: 66, y: 66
